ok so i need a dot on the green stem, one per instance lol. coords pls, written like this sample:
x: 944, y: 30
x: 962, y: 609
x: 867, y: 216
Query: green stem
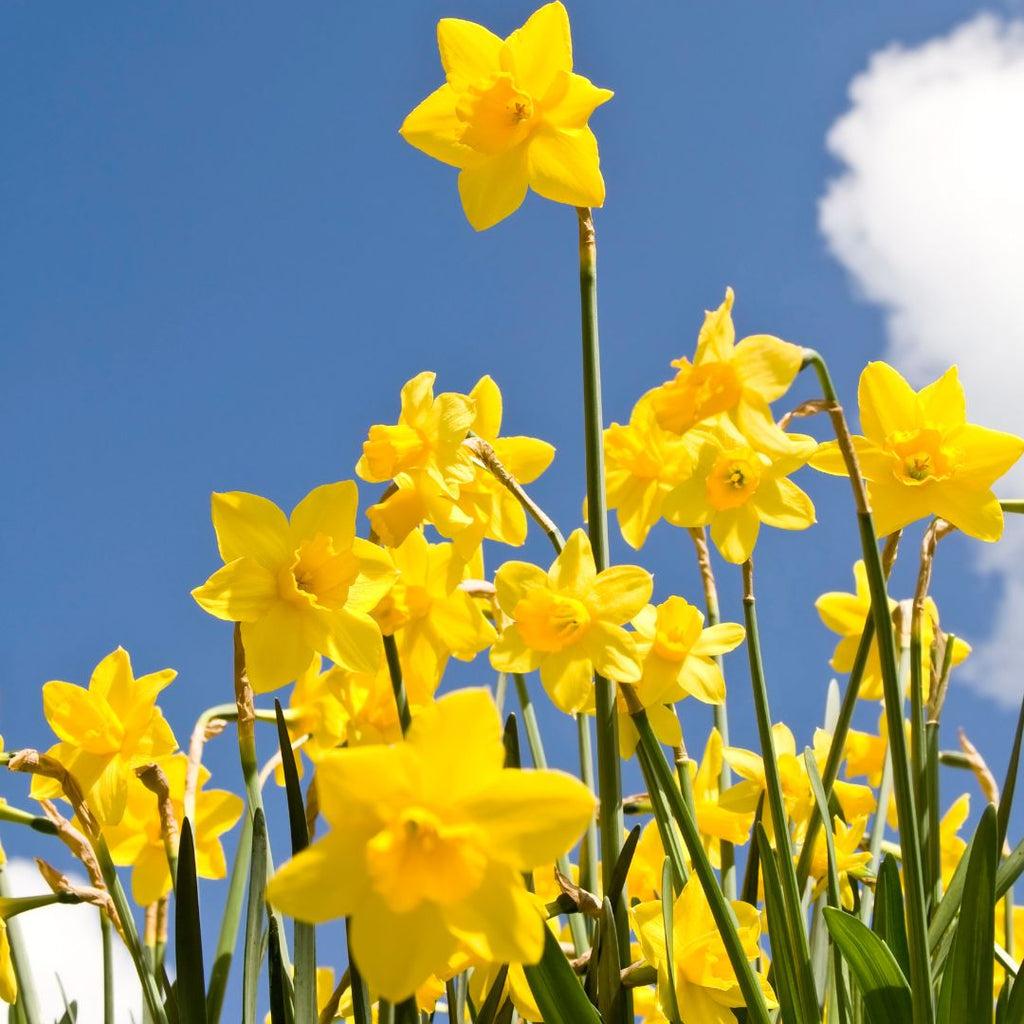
x: 608, y: 766
x: 149, y: 990
x: 397, y: 683
x: 28, y: 1000
x: 917, y: 931
x: 727, y: 853
x: 34, y: 821
x: 108, y: 969
x: 539, y: 758
x: 588, y: 866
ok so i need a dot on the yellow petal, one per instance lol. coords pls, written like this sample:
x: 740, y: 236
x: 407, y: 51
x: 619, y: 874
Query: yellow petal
x: 621, y: 592
x: 735, y: 533
x: 829, y: 459
x: 487, y: 398
x: 568, y: 678
x: 719, y: 639
x: 573, y: 571
x: 330, y: 510
x: 687, y: 504
x: 844, y: 614
x: 276, y: 652
x: 531, y: 817
x: 510, y: 653
x: 469, y: 51
x: 81, y: 717
x: 501, y: 921
x: 494, y: 189
x: 241, y: 591
x: 767, y: 365
x: 987, y: 454
x: 540, y: 49
x: 894, y: 505
x: 564, y: 166
x: 703, y: 679
x: 247, y: 524
x: 524, y: 457
x: 613, y: 652
x: 151, y: 877
x: 976, y: 513
x: 325, y: 881
x: 887, y: 402
x: 375, y: 577
x: 780, y: 503
x: 434, y: 128
x: 396, y: 953
x: 942, y: 402
x: 350, y: 639
x: 575, y: 98
x: 513, y: 580
x: 8, y: 980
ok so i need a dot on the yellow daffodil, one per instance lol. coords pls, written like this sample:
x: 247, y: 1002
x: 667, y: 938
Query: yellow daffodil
x: 951, y: 846
x: 485, y: 508
x: 568, y: 622
x: 429, y: 615
x: 643, y: 462
x: 730, y: 379
x: 646, y: 1005
x: 716, y: 820
x: 705, y: 983
x: 846, y: 614
x: 137, y: 841
x: 298, y: 587
x: 850, y: 858
x: 511, y: 115
x: 106, y: 731
x: 855, y: 800
x: 735, y: 488
x: 422, y: 454
x: 368, y: 704
x: 516, y: 988
x: 8, y: 979
x: 921, y: 457
x: 678, y: 652
x: 645, y: 869
x: 428, y: 842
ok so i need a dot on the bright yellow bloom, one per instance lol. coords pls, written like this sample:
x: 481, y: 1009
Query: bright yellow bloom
x: 106, y: 731
x: 921, y: 457
x: 368, y: 704
x: 8, y: 980
x: 643, y: 462
x: 512, y: 115
x: 516, y: 988
x: 137, y: 841
x: 430, y: 617
x: 705, y: 983
x: 726, y: 378
x: 951, y: 846
x: 423, y: 454
x: 568, y: 622
x: 298, y: 587
x: 645, y: 869
x: 846, y: 614
x: 485, y: 508
x: 849, y: 857
x: 716, y: 820
x: 735, y: 488
x: 428, y: 842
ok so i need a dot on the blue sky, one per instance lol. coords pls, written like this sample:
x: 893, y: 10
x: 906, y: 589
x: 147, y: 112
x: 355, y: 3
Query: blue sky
x: 222, y: 262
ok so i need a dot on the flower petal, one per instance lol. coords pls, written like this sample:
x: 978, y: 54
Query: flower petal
x: 469, y: 51
x: 735, y: 533
x: 513, y: 580
x: 720, y: 638
x: 780, y: 503
x: 247, y: 524
x: 573, y: 571
x: 376, y: 575
x: 276, y: 652
x: 241, y: 591
x: 613, y: 652
x: 568, y: 677
x: 887, y: 402
x: 492, y: 190
x: 564, y: 166
x: 540, y: 49
x: 767, y: 365
x: 621, y: 592
x: 330, y: 510
x: 976, y: 513
x: 350, y: 639
x: 434, y: 128
x: 576, y: 98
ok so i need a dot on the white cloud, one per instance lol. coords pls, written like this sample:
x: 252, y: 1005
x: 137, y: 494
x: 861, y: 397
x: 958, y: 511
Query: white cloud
x: 64, y: 942
x: 928, y: 217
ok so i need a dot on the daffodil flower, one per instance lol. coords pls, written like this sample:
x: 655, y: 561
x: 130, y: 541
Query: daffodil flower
x: 729, y: 379
x: 568, y: 622
x: 705, y: 984
x: 429, y: 615
x: 137, y: 841
x: 428, y: 842
x: 850, y: 858
x: 106, y: 731
x: 512, y: 115
x: 735, y: 488
x: 846, y: 615
x: 298, y: 587
x: 643, y: 462
x: 921, y: 457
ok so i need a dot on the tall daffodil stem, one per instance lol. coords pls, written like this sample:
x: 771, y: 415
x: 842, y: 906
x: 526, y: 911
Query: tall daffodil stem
x: 910, y: 840
x: 608, y: 768
x: 28, y: 1000
x: 707, y: 578
x: 397, y: 682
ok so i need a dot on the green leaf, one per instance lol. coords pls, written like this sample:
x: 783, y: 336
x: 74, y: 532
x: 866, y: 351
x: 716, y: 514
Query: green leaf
x: 280, y: 1006
x: 668, y: 925
x: 510, y: 738
x: 609, y: 980
x: 796, y: 1006
x: 889, y: 923
x: 230, y: 921
x: 188, y: 939
x: 253, y: 952
x: 1015, y: 1004
x: 618, y: 879
x: 559, y: 996
x: 1010, y: 782
x: 304, y: 934
x: 489, y: 1009
x: 881, y: 983
x: 967, y: 979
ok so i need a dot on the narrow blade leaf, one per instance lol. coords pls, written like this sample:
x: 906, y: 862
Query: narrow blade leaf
x: 188, y: 940
x: 559, y: 995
